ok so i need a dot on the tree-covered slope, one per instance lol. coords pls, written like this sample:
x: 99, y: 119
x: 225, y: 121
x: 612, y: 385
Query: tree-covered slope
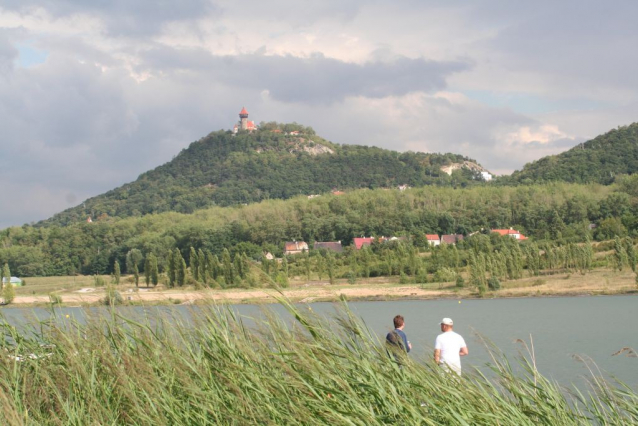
x: 599, y: 160
x: 277, y: 161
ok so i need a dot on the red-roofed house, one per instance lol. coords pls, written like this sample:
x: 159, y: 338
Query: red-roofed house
x: 433, y: 239
x: 451, y: 238
x: 244, y: 124
x: 295, y: 247
x: 360, y: 242
x: 511, y: 232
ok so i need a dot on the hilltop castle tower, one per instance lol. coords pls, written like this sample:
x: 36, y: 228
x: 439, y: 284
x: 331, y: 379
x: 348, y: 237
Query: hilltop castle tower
x: 244, y: 123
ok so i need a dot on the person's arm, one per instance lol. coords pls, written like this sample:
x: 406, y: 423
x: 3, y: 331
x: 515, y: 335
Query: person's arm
x: 463, y: 351
x: 407, y: 344
x: 437, y: 355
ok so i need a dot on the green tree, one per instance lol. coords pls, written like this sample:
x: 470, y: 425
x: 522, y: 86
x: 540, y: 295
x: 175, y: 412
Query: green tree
x: 202, y: 266
x: 284, y: 266
x: 8, y: 292
x: 136, y: 275
x: 181, y: 272
x: 171, y: 269
x: 6, y: 275
x: 147, y: 270
x: 330, y: 266
x: 193, y: 264
x: 620, y: 255
x: 320, y: 266
x: 631, y: 253
x: 307, y: 265
x: 154, y: 269
x: 133, y: 258
x: 116, y: 272
x: 227, y: 268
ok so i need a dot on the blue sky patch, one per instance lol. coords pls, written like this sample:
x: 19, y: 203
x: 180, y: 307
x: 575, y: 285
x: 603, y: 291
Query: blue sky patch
x: 29, y: 56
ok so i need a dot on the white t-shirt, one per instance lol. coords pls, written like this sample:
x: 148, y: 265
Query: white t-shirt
x: 450, y: 343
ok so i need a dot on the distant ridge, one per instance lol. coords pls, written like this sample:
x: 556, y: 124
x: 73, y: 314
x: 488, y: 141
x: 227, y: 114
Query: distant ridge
x: 599, y: 160
x: 273, y: 161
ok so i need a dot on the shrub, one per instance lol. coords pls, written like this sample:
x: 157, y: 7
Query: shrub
x: 460, y: 282
x: 113, y: 297
x: 493, y: 283
x: 403, y: 278
x: 352, y: 277
x: 98, y: 281
x: 8, y: 293
x: 444, y: 275
x: 282, y: 280
x: 421, y: 276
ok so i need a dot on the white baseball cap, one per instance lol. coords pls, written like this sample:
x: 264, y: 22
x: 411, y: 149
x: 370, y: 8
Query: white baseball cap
x: 447, y: 321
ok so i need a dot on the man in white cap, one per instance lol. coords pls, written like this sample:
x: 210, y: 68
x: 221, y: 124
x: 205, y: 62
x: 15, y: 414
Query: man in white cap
x: 449, y: 347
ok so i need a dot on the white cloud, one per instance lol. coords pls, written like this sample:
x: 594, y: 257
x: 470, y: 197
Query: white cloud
x: 126, y: 85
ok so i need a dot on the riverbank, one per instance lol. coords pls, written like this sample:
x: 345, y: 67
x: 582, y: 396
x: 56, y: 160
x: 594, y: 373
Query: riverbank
x: 77, y: 293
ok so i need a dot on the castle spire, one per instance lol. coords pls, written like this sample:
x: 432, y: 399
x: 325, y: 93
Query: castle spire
x: 243, y: 118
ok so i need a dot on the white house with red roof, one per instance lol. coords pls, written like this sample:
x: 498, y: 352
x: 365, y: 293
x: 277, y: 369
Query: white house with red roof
x: 511, y: 232
x: 433, y: 239
x: 360, y: 242
x: 244, y: 123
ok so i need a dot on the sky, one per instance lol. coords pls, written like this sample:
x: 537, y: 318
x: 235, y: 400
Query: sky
x: 94, y: 93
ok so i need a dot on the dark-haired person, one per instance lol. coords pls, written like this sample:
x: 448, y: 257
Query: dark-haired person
x: 397, y: 337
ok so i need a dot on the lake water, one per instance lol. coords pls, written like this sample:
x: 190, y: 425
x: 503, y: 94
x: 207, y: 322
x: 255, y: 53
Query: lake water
x: 562, y: 328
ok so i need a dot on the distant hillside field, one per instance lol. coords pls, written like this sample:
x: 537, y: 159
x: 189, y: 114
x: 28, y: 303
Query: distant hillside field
x: 599, y: 160
x: 276, y: 162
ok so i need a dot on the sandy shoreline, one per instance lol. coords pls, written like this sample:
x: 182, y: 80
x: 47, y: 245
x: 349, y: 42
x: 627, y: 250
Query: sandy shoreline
x: 528, y: 287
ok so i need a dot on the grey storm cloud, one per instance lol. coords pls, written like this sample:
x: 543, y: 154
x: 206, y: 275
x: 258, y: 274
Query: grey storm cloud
x: 122, y: 17
x: 316, y: 79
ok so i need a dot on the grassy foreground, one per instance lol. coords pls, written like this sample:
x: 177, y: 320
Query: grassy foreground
x: 113, y: 371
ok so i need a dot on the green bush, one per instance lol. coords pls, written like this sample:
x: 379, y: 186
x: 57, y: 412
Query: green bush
x: 98, y: 281
x: 421, y: 276
x: 352, y: 277
x: 493, y: 283
x: 444, y: 275
x: 8, y: 293
x: 113, y: 297
x: 460, y: 282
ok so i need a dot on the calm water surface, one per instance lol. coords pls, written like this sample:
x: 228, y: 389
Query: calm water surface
x: 562, y: 328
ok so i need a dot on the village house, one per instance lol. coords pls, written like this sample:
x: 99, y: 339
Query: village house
x: 15, y: 281
x: 244, y: 123
x: 295, y: 247
x: 329, y: 245
x: 433, y: 239
x: 511, y: 232
x: 451, y: 238
x: 363, y: 241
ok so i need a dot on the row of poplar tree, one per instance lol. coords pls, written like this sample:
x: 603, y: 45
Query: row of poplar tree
x: 486, y: 263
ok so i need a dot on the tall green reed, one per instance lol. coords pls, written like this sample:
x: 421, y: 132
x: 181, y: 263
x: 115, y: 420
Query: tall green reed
x: 306, y: 370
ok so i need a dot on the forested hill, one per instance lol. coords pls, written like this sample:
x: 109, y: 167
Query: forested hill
x: 277, y: 161
x: 599, y: 160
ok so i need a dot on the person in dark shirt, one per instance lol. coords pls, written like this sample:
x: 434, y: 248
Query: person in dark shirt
x: 397, y: 337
